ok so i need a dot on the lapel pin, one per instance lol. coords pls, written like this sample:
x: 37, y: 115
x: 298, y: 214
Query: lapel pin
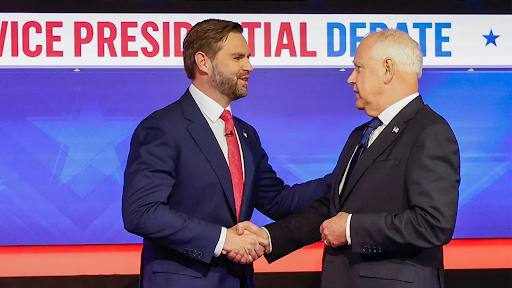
x: 395, y: 129
x: 245, y: 134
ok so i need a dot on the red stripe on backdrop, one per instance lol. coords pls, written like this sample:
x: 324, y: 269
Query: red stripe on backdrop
x: 24, y: 261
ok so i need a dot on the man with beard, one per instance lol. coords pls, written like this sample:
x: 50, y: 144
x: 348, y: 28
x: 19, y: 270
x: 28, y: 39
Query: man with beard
x: 194, y: 170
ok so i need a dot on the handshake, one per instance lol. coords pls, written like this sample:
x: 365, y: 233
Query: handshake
x: 245, y: 242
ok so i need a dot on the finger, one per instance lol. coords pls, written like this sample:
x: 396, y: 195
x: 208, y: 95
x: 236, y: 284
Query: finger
x: 246, y: 259
x: 266, y: 247
x: 260, y: 250
x: 232, y: 255
x: 224, y: 252
x: 251, y: 227
x: 262, y: 241
x: 239, y: 257
x: 251, y: 250
x: 253, y: 254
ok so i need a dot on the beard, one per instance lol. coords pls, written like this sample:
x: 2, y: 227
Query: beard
x: 228, y: 85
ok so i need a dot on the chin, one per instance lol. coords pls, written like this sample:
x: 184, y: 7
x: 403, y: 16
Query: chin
x: 359, y: 106
x: 237, y: 96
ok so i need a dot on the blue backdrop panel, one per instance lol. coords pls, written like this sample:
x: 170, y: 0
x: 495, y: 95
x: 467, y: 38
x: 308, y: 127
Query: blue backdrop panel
x: 64, y: 140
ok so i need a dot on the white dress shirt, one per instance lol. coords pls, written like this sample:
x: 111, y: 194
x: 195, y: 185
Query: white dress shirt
x: 386, y: 116
x: 211, y: 111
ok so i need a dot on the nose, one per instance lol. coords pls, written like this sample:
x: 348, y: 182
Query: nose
x: 352, y: 78
x: 247, y: 66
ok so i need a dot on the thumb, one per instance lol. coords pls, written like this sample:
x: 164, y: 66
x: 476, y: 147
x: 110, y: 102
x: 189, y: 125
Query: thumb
x: 252, y: 228
x: 240, y: 228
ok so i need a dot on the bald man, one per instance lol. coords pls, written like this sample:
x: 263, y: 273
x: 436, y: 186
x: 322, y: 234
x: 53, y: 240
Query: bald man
x: 392, y: 202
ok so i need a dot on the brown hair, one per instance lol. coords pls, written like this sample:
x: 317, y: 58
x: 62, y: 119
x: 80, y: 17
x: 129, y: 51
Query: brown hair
x: 206, y: 36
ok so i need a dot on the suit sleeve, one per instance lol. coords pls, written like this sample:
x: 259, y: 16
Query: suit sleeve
x: 149, y: 180
x: 299, y: 229
x: 431, y: 181
x: 277, y: 200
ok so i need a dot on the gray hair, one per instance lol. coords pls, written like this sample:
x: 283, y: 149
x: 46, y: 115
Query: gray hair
x: 401, y: 47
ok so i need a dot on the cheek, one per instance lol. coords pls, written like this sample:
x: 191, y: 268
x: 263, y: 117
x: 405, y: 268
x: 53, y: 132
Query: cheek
x: 234, y: 71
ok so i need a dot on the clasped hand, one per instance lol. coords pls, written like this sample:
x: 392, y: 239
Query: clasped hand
x: 245, y: 242
x: 333, y: 230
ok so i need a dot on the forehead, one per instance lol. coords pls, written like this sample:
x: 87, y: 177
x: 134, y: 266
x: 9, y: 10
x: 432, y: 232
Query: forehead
x: 363, y: 49
x: 235, y: 43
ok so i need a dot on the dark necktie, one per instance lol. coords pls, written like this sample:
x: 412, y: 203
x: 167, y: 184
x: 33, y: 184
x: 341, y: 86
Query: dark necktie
x: 235, y: 160
x: 362, y: 146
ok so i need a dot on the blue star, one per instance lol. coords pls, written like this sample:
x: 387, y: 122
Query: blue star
x: 491, y: 38
x: 88, y: 142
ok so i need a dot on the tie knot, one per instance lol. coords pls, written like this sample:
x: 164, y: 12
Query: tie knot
x: 374, y: 123
x: 226, y: 115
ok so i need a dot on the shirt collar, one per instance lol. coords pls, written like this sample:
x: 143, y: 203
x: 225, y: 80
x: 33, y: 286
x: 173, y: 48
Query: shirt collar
x: 207, y: 105
x: 389, y: 113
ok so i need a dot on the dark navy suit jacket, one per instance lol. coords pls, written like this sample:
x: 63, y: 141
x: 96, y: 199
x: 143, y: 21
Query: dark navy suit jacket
x: 403, y: 195
x: 178, y: 194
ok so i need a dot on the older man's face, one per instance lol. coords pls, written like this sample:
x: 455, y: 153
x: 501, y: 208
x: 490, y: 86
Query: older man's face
x: 367, y: 79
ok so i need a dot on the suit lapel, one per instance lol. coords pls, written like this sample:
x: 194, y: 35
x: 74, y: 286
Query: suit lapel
x: 248, y: 166
x: 386, y: 137
x: 342, y: 165
x: 205, y: 139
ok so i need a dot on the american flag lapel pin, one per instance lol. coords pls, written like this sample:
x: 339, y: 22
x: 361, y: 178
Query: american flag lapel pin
x: 395, y: 129
x: 245, y: 134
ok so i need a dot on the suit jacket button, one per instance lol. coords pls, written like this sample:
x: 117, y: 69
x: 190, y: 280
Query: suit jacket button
x: 199, y: 254
x: 185, y: 250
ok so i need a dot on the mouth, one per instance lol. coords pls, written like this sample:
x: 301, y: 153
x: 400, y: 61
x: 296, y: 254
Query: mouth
x: 245, y: 80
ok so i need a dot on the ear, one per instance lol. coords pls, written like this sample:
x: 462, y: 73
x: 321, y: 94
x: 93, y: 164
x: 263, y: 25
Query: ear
x: 203, y: 63
x: 389, y: 69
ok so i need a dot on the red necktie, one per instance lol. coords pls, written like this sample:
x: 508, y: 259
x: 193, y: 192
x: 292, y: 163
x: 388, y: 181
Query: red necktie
x: 235, y: 161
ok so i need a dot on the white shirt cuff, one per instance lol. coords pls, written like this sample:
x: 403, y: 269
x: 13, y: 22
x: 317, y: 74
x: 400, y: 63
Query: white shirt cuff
x: 269, y: 239
x: 220, y: 244
x: 347, y: 230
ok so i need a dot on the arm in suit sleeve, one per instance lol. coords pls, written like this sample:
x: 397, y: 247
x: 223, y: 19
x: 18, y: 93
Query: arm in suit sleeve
x: 299, y: 229
x: 277, y: 200
x: 431, y: 181
x: 149, y: 180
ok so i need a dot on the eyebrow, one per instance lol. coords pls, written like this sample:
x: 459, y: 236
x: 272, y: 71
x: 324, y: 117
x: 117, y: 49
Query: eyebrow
x: 240, y: 54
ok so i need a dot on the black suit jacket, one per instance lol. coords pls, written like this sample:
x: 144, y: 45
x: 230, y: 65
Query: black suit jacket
x: 403, y: 195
